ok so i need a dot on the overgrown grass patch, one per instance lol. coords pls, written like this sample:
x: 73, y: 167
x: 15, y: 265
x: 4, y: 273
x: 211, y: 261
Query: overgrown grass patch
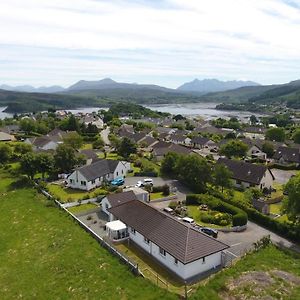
x: 81, y: 208
x: 265, y: 260
x: 65, y: 194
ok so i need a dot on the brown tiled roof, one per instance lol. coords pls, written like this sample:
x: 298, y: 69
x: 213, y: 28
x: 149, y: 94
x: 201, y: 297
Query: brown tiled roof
x: 244, y: 171
x: 178, y: 239
x: 120, y: 198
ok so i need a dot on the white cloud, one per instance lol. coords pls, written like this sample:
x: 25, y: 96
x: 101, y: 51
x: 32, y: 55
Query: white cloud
x: 60, y: 41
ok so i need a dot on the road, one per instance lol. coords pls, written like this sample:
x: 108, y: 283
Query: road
x: 282, y: 176
x: 175, y: 186
x: 104, y: 134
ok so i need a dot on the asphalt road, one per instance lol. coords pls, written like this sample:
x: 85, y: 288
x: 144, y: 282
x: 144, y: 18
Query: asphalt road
x: 282, y: 176
x: 175, y: 186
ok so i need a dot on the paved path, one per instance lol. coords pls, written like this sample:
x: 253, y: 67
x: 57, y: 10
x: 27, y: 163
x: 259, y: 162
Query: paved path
x: 104, y: 134
x: 240, y: 242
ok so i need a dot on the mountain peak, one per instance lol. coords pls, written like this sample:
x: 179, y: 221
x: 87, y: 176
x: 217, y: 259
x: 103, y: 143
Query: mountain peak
x: 213, y: 85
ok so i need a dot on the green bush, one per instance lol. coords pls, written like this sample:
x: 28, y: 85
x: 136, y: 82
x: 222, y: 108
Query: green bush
x: 219, y: 205
x: 173, y: 204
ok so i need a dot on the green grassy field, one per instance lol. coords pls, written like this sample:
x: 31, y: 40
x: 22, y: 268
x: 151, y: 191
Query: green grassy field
x: 265, y: 262
x: 81, y: 208
x: 44, y: 254
x: 69, y: 195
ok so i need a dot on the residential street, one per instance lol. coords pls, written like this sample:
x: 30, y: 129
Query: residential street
x: 104, y: 134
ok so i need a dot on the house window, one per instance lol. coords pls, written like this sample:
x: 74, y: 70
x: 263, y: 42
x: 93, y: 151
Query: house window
x: 122, y: 172
x: 175, y: 261
x: 93, y: 181
x: 162, y: 251
x: 71, y: 181
x: 132, y: 230
x: 147, y: 241
x: 117, y: 173
x: 83, y: 182
x: 203, y: 260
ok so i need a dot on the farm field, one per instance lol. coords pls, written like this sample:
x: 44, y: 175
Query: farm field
x: 45, y: 255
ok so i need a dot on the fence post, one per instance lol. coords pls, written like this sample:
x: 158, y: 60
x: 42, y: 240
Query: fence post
x: 185, y: 291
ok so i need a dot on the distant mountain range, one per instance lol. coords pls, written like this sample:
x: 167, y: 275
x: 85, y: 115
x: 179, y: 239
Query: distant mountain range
x: 213, y: 85
x: 31, y: 89
x: 198, y: 86
x: 107, y: 91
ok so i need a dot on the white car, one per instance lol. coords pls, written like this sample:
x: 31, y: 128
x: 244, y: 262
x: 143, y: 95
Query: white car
x: 139, y: 184
x: 148, y: 181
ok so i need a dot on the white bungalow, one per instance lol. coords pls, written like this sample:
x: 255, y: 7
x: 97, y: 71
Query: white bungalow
x: 179, y: 247
x: 94, y: 175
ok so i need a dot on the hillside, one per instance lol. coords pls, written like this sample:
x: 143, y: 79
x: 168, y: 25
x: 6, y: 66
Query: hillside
x: 19, y: 102
x: 213, y: 85
x: 288, y: 94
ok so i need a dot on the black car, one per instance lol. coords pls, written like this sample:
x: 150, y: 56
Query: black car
x: 210, y: 231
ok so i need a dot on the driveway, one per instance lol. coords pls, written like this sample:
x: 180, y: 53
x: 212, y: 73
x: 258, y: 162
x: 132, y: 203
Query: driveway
x: 282, y: 176
x: 180, y: 190
x: 104, y: 134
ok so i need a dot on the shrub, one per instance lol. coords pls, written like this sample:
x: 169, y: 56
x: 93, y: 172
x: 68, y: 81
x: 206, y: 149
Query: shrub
x: 173, y: 204
x: 221, y: 206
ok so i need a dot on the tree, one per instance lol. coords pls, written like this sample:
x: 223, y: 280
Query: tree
x: 253, y: 120
x: 74, y: 140
x: 22, y: 148
x: 5, y: 153
x: 195, y: 172
x: 234, y: 148
x: 98, y: 143
x: 222, y: 176
x: 27, y: 125
x: 179, y: 117
x: 296, y: 136
x: 268, y: 148
x: 230, y: 136
x: 275, y: 134
x: 126, y: 147
x: 70, y: 123
x: 65, y: 158
x: 44, y: 163
x: 292, y: 205
x: 169, y: 163
x: 28, y: 164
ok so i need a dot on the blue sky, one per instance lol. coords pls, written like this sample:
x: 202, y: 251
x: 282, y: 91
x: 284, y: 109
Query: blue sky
x: 48, y: 42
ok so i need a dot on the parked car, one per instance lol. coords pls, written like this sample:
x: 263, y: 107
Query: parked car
x: 210, y: 231
x: 139, y: 184
x: 188, y: 220
x: 148, y: 181
x: 117, y: 181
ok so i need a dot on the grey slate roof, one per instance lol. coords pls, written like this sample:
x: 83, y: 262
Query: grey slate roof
x: 178, y: 239
x: 120, y: 198
x: 288, y: 154
x: 199, y: 140
x: 98, y: 169
x: 244, y: 171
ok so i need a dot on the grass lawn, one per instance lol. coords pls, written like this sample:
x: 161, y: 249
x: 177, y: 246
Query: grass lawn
x: 158, y: 195
x: 87, y: 146
x: 83, y: 207
x: 279, y: 191
x: 221, y: 285
x: 44, y: 254
x: 150, y: 268
x: 70, y: 195
x: 111, y: 155
x: 195, y: 213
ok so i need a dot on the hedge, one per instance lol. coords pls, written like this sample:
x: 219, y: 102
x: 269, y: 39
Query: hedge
x: 286, y: 230
x: 148, y: 174
x: 239, y: 217
x: 283, y: 167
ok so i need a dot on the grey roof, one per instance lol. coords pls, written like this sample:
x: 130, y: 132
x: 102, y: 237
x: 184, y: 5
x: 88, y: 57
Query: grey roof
x: 288, y: 154
x: 6, y: 137
x: 199, y: 140
x: 161, y: 151
x: 98, y: 169
x: 40, y: 141
x: 120, y: 198
x: 178, y: 239
x: 149, y: 140
x: 178, y: 137
x: 244, y: 171
x: 89, y: 154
